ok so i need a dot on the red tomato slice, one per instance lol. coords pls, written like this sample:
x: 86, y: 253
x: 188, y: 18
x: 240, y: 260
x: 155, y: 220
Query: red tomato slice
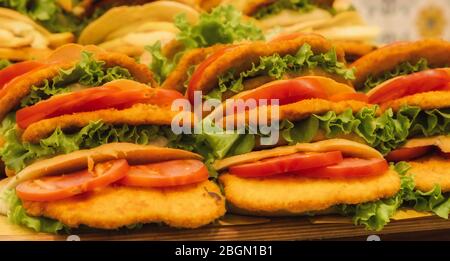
x: 348, y: 168
x: 198, y: 73
x: 285, y: 164
x: 407, y: 153
x: 105, y: 97
x: 64, y: 186
x: 349, y: 96
x: 425, y: 81
x: 166, y: 174
x: 17, y: 69
x: 287, y: 91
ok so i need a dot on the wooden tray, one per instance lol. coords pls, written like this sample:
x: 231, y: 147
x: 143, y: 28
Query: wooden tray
x: 248, y: 228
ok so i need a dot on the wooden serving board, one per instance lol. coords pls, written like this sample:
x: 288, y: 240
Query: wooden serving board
x: 249, y: 228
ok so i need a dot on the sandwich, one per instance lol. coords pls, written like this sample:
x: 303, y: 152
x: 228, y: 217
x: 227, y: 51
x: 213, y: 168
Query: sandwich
x: 315, y: 114
x: 97, y: 123
x: 230, y: 69
x: 113, y: 186
x: 72, y: 90
x: 129, y: 28
x: 22, y: 39
x: 410, y: 81
x: 306, y: 178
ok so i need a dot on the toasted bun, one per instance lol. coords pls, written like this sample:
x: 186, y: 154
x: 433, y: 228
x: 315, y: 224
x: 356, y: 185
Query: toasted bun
x: 435, y: 51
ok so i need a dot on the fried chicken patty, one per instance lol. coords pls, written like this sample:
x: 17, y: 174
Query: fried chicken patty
x: 426, y: 101
x: 430, y: 171
x: 139, y: 114
x: 112, y: 207
x: 292, y: 195
x: 179, y: 75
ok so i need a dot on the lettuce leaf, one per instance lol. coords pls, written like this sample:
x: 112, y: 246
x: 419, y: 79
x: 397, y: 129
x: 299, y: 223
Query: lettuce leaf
x: 375, y: 215
x: 433, y: 200
x: 88, y: 72
x: 46, y: 12
x: 384, y: 132
x: 401, y: 69
x: 224, y: 24
x: 17, y: 215
x: 17, y: 155
x: 160, y: 65
x: 303, y: 6
x: 4, y: 63
x: 276, y: 67
x: 428, y: 122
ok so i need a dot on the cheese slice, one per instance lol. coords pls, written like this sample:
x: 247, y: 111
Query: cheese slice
x: 347, y: 147
x: 441, y: 141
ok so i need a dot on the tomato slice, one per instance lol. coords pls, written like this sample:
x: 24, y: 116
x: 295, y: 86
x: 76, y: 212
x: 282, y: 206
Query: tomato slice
x: 286, y: 164
x: 425, y: 81
x: 198, y: 73
x: 407, y: 153
x: 64, y: 186
x: 17, y: 69
x: 348, y: 168
x: 287, y: 91
x: 105, y: 97
x: 166, y: 174
x: 356, y: 96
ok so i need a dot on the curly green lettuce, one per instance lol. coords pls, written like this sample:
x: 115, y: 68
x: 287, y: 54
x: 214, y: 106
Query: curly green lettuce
x: 404, y: 68
x: 161, y: 66
x: 18, y: 215
x: 4, y: 63
x: 384, y: 132
x: 375, y: 215
x: 46, y: 12
x: 303, y: 6
x: 276, y: 67
x: 88, y: 72
x: 223, y: 25
x: 434, y: 201
x: 17, y: 155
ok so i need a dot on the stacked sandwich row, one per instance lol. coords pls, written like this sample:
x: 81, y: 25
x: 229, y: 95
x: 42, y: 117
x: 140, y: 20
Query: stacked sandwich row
x: 87, y: 135
x: 30, y: 29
